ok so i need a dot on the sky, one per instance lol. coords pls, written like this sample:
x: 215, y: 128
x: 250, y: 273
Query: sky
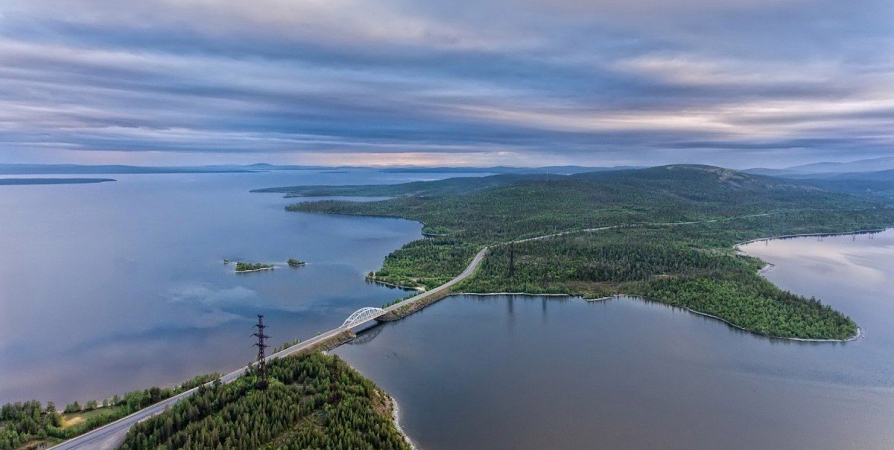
x: 757, y: 83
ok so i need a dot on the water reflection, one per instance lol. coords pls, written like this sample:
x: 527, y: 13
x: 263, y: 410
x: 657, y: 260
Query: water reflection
x: 119, y: 286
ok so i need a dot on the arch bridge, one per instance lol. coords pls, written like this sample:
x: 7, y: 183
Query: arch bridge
x: 361, y: 316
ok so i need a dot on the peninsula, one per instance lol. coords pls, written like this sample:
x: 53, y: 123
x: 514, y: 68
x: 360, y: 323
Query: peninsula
x: 664, y: 233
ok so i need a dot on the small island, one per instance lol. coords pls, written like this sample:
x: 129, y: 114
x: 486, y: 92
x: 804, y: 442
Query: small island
x: 295, y: 263
x: 242, y: 267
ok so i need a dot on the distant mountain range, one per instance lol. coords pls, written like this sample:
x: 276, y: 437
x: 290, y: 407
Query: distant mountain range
x: 73, y: 169
x: 815, y: 170
x: 559, y: 170
x: 863, y: 165
x: 822, y: 168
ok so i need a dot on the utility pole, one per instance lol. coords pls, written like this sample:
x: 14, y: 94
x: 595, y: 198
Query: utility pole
x: 262, y: 363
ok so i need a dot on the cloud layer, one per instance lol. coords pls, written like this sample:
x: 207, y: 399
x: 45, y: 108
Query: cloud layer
x: 523, y: 82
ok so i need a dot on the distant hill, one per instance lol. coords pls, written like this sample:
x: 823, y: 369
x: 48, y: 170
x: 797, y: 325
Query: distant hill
x: 864, y: 165
x: 664, y: 233
x: 770, y: 172
x: 873, y: 177
x: 880, y: 184
x: 681, y: 179
x: 450, y: 186
x: 560, y: 170
x: 59, y: 169
x: 825, y: 168
x: 501, y: 207
x: 687, y: 178
x: 882, y: 175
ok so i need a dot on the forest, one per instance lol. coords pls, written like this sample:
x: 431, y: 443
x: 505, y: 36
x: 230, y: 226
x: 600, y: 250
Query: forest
x: 658, y: 263
x: 249, y: 267
x: 665, y: 233
x: 313, y: 401
x: 28, y: 422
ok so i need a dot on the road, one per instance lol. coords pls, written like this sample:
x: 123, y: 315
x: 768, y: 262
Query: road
x: 110, y: 436
x: 470, y: 269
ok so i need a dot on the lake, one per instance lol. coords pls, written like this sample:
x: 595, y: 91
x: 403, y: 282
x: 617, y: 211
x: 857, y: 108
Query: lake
x: 505, y: 372
x: 111, y: 287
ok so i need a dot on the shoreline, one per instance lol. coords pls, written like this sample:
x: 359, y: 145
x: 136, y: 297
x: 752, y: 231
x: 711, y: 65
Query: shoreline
x: 527, y: 294
x: 689, y: 310
x: 397, y: 286
x: 791, y: 236
x: 255, y: 270
x: 765, y: 269
x: 760, y: 272
x: 769, y: 266
x: 395, y: 408
x: 755, y: 333
x: 395, y: 417
x: 520, y: 294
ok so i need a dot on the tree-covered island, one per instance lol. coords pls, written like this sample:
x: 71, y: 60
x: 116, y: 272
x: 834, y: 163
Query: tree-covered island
x: 664, y: 233
x: 252, y: 267
x: 292, y: 262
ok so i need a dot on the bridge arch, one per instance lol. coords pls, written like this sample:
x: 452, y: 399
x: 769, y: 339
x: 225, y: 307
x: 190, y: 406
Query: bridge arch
x: 362, y: 315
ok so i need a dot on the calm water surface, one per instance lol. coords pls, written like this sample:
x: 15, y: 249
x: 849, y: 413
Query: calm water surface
x: 538, y: 373
x: 117, y: 286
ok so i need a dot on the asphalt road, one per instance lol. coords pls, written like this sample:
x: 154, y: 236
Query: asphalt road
x: 470, y: 269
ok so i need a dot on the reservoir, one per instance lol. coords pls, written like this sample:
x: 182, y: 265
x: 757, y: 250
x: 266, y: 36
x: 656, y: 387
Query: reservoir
x: 505, y: 372
x: 116, y: 286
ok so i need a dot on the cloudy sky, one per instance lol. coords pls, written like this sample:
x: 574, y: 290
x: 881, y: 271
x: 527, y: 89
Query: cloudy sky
x: 453, y: 82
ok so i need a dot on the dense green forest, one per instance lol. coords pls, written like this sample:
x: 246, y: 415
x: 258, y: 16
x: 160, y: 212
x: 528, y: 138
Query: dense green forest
x: 450, y: 186
x: 313, y: 401
x: 26, y: 422
x: 879, y: 184
x: 248, y: 267
x: 658, y: 263
x: 665, y: 233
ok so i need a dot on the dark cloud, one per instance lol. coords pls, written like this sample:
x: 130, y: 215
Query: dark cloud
x: 560, y: 81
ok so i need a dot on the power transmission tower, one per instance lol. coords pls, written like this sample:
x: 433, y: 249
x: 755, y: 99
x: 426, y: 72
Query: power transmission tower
x: 262, y: 363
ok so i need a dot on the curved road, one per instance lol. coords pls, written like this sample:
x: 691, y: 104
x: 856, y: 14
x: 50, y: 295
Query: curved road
x: 470, y: 269
x: 110, y: 436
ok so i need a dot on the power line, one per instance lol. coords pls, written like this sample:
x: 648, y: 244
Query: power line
x: 262, y: 363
